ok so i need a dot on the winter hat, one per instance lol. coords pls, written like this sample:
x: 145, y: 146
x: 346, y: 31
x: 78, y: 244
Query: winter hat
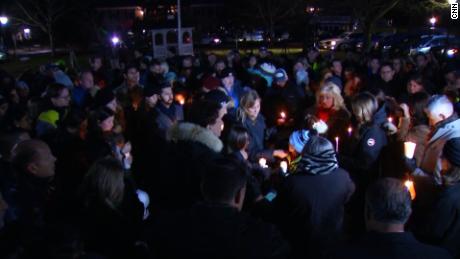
x: 280, y: 75
x: 51, y: 117
x: 211, y: 83
x: 226, y: 72
x: 298, y: 139
x: 267, y: 68
x: 217, y: 96
x: 318, y: 157
x: 451, y: 151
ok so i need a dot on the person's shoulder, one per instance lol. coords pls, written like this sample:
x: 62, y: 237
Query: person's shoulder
x: 429, y: 251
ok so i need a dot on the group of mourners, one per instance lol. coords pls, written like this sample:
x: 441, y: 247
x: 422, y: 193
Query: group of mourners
x: 237, y: 156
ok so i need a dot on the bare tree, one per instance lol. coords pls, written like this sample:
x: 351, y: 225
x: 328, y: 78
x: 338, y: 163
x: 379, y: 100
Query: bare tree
x: 43, y: 14
x: 270, y: 12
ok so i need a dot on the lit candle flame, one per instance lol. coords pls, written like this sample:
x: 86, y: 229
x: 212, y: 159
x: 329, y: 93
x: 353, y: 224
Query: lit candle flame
x: 350, y: 130
x: 390, y: 119
x: 283, y: 115
x: 180, y: 99
x: 411, y: 188
x: 284, y: 166
x: 263, y: 162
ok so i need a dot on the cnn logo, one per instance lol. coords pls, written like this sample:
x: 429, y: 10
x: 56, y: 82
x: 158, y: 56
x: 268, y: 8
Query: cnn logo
x: 454, y: 11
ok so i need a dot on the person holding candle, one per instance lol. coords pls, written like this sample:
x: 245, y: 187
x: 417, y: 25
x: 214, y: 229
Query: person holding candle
x: 249, y: 115
x: 311, y: 200
x: 443, y: 225
x: 413, y: 125
x: 330, y: 108
x: 387, y: 210
x: 370, y: 139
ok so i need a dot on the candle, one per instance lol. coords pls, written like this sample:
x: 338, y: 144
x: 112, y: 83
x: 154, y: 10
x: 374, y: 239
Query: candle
x: 390, y: 119
x: 349, y: 130
x: 409, y: 149
x: 263, y: 162
x: 180, y: 99
x: 337, y: 144
x: 284, y: 166
x: 283, y: 115
x: 411, y: 188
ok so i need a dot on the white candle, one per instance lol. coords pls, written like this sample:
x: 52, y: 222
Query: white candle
x: 263, y: 162
x: 337, y: 144
x: 390, y: 119
x: 284, y: 166
x: 409, y: 149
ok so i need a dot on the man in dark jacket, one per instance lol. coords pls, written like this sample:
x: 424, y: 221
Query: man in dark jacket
x: 169, y: 113
x: 387, y: 209
x: 217, y: 228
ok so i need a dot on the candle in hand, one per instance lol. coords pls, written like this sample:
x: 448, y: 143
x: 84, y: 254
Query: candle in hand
x: 411, y: 188
x: 390, y: 119
x: 337, y: 144
x: 283, y: 115
x: 349, y: 130
x: 180, y: 99
x: 284, y: 166
x: 263, y: 162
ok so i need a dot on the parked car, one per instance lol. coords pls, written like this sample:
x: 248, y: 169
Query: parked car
x: 332, y: 43
x: 434, y: 41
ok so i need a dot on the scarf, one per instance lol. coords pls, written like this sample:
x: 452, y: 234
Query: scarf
x: 318, y: 164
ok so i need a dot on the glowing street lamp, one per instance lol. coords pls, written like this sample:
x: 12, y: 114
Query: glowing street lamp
x: 3, y: 20
x: 433, y: 21
x: 115, y: 40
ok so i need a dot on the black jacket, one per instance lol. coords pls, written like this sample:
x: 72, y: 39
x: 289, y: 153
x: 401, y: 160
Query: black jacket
x: 214, y: 231
x: 310, y: 209
x: 390, y: 245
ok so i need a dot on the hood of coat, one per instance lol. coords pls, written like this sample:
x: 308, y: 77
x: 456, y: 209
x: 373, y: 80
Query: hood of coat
x: 186, y: 131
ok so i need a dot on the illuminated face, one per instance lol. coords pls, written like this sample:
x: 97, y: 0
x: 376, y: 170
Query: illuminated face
x: 337, y: 68
x: 218, y: 126
x: 414, y: 87
x: 96, y: 64
x: 132, y: 76
x: 253, y: 111
x: 228, y: 81
x: 387, y: 73
x: 325, y: 101
x: 107, y: 124
x: 167, y: 96
x: 87, y: 80
x: 63, y: 100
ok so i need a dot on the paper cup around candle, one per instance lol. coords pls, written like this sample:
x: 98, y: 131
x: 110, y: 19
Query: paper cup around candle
x: 409, y: 149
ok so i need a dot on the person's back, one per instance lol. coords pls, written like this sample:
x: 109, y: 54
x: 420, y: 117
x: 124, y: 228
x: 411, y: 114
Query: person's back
x: 387, y: 209
x: 216, y: 228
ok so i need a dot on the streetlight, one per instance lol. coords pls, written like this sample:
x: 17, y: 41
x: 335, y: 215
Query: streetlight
x: 433, y: 21
x: 115, y: 40
x: 3, y: 20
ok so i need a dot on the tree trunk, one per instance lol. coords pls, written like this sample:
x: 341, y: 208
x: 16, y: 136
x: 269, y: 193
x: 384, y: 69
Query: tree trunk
x: 51, y: 40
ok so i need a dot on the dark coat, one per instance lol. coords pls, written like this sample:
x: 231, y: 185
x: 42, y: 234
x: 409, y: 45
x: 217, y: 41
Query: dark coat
x: 257, y: 135
x: 390, y: 245
x: 443, y: 225
x: 214, y: 231
x: 310, y: 209
x: 191, y: 148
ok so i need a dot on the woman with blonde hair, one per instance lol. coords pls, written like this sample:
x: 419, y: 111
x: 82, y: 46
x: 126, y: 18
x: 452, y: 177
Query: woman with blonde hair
x: 330, y: 108
x: 248, y: 114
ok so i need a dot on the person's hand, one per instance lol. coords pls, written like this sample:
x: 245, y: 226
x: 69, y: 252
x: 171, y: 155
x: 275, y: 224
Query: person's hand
x: 279, y: 153
x: 405, y: 109
x: 410, y: 164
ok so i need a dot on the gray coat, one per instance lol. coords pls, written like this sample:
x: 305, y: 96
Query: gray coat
x: 165, y: 123
x: 445, y: 131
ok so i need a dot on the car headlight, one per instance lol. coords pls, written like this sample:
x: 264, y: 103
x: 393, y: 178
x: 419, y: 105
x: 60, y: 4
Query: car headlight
x: 333, y: 43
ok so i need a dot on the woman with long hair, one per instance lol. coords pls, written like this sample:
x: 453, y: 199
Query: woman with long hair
x: 248, y: 114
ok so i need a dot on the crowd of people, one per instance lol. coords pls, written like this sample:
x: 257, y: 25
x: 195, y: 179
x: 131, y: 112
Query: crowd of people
x: 235, y: 156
